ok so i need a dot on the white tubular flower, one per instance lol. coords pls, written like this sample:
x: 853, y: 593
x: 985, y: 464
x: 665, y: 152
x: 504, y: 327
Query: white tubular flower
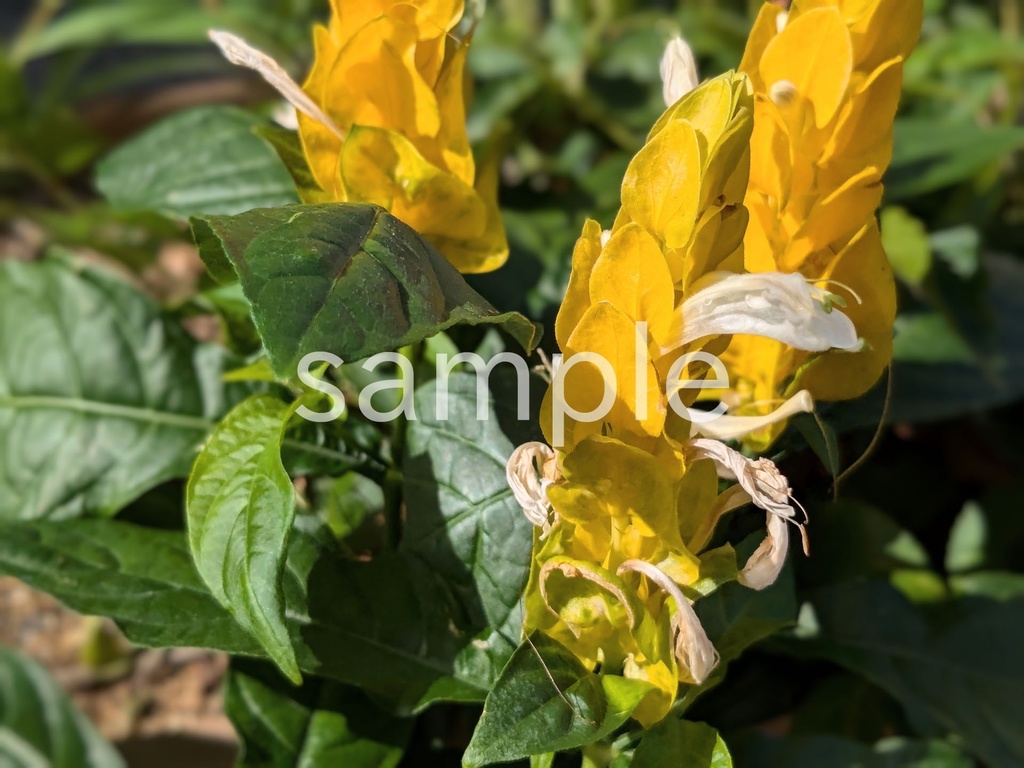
x: 769, y: 490
x: 727, y: 427
x: 531, y: 470
x: 678, y: 71
x: 239, y: 52
x: 693, y: 650
x: 784, y: 307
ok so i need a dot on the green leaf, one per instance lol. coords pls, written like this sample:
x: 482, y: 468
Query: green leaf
x: 141, y: 577
x: 391, y: 628
x: 342, y: 278
x: 906, y: 244
x: 928, y: 157
x: 103, y: 395
x: 928, y: 392
x: 241, y: 506
x: 852, y: 540
x: 957, y: 668
x: 681, y: 743
x: 319, y: 724
x: 929, y: 338
x: 966, y: 548
x: 997, y: 585
x: 289, y: 148
x: 546, y: 701
x: 736, y: 618
x: 760, y: 751
x: 206, y: 160
x: 39, y: 726
x: 959, y: 248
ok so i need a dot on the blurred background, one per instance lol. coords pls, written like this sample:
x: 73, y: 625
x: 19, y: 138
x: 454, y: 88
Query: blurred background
x: 565, y: 92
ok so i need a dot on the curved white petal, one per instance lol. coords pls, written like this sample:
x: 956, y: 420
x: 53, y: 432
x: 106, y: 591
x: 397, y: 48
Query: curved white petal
x: 693, y: 650
x: 769, y: 490
x: 778, y: 306
x: 764, y: 566
x: 239, y: 52
x: 530, y: 470
x: 726, y: 427
x: 678, y: 71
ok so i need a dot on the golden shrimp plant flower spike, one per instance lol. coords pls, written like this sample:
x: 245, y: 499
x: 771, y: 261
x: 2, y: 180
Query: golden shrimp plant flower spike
x: 382, y: 120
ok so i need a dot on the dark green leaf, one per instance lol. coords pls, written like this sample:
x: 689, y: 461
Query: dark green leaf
x: 546, y: 701
x: 319, y: 724
x: 928, y: 392
x: 241, y: 506
x: 101, y: 396
x: 206, y: 160
x: 388, y: 625
x: 961, y: 670
x: 342, y: 278
x: 681, y: 743
x: 39, y: 726
x: 759, y: 751
x: 736, y: 618
x: 463, y: 521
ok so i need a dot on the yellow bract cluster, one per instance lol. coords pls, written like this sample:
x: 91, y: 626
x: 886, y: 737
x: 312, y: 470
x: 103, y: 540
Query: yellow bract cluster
x: 625, y: 496
x: 390, y: 77
x: 827, y: 82
x: 682, y: 217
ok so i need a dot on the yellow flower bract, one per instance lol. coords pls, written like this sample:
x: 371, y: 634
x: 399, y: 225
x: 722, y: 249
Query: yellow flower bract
x: 826, y: 90
x: 624, y: 496
x: 390, y: 77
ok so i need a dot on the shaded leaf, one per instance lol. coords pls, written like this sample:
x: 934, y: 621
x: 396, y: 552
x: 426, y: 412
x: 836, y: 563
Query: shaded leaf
x: 678, y: 742
x: 342, y: 278
x: 319, y: 724
x: 759, y: 751
x: 960, y: 670
x: 462, y: 520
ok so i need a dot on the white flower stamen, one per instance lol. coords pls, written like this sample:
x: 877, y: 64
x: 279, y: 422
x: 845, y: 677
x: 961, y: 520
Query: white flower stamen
x: 728, y: 427
x: 678, y: 71
x: 779, y: 306
x: 693, y: 650
x: 239, y: 52
x: 781, y: 20
x: 531, y: 470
